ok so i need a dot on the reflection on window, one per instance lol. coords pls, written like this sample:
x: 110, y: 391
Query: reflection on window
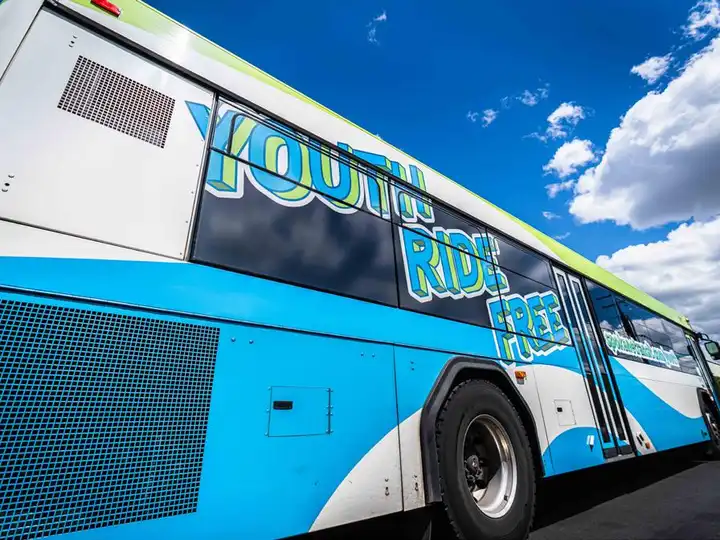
x: 606, y: 310
x: 438, y: 279
x: 310, y: 244
x: 520, y: 260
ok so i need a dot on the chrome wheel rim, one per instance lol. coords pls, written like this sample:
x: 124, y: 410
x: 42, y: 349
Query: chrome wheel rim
x: 490, y: 466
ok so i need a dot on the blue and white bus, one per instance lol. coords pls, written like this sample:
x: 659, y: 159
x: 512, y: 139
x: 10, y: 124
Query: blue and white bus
x: 227, y: 312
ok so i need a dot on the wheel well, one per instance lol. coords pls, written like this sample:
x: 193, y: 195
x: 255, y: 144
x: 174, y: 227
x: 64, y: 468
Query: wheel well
x: 704, y: 398
x: 456, y: 371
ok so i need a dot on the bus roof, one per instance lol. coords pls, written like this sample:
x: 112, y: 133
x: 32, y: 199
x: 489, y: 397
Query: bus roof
x: 141, y: 16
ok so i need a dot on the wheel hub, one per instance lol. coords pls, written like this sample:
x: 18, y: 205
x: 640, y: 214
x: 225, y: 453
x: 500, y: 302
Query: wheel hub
x: 490, y: 466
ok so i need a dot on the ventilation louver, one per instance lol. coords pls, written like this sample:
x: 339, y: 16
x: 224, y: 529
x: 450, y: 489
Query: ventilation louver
x: 113, y: 100
x: 103, y: 417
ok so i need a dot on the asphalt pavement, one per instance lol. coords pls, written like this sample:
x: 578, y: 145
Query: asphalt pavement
x: 664, y: 497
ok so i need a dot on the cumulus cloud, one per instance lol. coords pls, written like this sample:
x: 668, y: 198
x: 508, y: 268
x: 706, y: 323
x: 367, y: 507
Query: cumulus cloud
x: 570, y: 157
x: 550, y: 215
x: 472, y: 116
x: 681, y: 271
x: 653, y: 68
x: 661, y: 164
x: 488, y: 117
x: 704, y: 17
x: 562, y: 236
x: 554, y: 189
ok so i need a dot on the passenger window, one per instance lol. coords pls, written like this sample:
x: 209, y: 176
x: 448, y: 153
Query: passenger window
x: 522, y: 261
x: 437, y: 279
x: 606, y: 310
x: 533, y: 308
x: 284, y: 230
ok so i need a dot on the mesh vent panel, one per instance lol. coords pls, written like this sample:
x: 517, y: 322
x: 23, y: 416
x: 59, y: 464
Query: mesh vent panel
x: 105, y: 96
x: 103, y: 417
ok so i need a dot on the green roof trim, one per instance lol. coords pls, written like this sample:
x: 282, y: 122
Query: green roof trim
x: 145, y: 17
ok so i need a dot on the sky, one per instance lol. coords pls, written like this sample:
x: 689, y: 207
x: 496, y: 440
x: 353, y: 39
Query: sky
x: 597, y: 123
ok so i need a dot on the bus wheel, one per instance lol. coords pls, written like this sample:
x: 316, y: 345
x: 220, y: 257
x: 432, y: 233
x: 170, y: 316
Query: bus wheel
x: 711, y: 420
x: 485, y: 463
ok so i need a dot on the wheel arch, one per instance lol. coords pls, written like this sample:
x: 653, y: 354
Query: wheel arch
x: 455, y: 371
x: 705, y: 397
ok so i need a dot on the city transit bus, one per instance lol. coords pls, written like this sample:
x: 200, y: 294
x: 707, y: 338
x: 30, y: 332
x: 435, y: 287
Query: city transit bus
x: 227, y: 312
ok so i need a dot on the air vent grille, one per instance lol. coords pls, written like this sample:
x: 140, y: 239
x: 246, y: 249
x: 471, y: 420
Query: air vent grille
x: 103, y: 417
x: 113, y: 100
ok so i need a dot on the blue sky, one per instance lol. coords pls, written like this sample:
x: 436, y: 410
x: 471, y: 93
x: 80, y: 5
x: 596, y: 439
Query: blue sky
x: 418, y: 74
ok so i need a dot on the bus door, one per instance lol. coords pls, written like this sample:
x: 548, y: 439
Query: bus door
x: 600, y: 383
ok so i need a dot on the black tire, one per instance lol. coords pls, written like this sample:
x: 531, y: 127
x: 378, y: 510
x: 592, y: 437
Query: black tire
x: 713, y: 427
x: 466, y: 401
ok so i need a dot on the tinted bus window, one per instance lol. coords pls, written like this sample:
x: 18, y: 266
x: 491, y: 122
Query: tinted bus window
x: 606, y: 310
x: 522, y: 261
x: 532, y: 308
x: 304, y: 241
x: 438, y: 279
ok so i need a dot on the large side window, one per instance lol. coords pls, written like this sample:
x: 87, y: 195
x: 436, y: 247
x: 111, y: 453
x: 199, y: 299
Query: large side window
x: 279, y: 206
x: 513, y: 257
x: 633, y: 332
x: 682, y: 346
x: 440, y: 262
x: 607, y: 312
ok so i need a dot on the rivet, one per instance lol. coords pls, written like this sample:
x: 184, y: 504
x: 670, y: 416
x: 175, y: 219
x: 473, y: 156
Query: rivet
x: 251, y: 342
x: 11, y: 176
x: 232, y: 339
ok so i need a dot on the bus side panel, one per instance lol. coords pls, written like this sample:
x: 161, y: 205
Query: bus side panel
x: 16, y: 16
x: 662, y: 405
x: 98, y: 142
x: 574, y: 440
x: 155, y: 426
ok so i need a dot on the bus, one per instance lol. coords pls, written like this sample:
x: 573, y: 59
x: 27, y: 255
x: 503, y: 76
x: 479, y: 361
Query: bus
x: 228, y: 312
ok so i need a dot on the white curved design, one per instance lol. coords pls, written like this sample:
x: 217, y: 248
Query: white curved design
x: 675, y: 388
x: 371, y: 488
x: 560, y: 383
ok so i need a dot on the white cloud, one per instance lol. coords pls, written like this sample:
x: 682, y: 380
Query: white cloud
x: 489, y: 116
x: 562, y: 236
x: 704, y: 17
x: 472, y: 116
x: 570, y: 157
x: 528, y: 98
x: 662, y: 164
x: 561, y: 121
x: 653, y: 68
x: 550, y: 215
x: 373, y: 26
x: 531, y: 99
x: 562, y: 118
x: 681, y: 271
x: 554, y: 189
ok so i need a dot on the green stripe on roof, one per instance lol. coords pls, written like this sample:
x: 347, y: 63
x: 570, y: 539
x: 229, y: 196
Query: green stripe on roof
x: 145, y: 17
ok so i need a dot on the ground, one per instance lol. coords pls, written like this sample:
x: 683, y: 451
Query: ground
x: 664, y: 497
